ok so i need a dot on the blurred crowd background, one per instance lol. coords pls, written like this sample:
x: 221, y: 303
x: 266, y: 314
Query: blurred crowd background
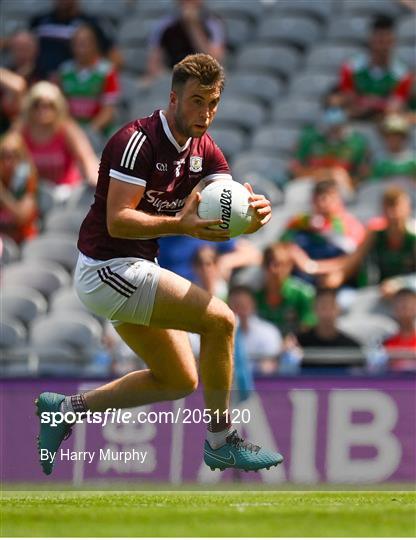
x: 318, y: 113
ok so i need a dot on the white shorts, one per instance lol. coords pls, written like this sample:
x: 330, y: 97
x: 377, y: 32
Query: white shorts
x: 121, y: 290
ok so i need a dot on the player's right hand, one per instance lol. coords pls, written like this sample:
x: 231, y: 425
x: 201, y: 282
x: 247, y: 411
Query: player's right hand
x: 191, y: 224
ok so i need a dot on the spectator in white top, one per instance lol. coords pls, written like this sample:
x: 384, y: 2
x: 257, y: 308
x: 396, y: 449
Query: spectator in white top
x: 262, y: 339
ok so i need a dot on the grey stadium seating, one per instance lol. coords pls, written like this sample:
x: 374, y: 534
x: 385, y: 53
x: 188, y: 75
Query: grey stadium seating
x: 328, y: 57
x: 267, y: 165
x: 274, y: 138
x: 312, y: 85
x: 371, y: 7
x: 406, y: 30
x: 280, y: 60
x: 230, y: 140
x: 261, y: 86
x: 302, y: 31
x: 241, y: 112
x: 349, y: 28
x: 64, y: 221
x: 9, y: 250
x: 12, y: 334
x: 60, y: 248
x: 45, y: 277
x: 251, y: 10
x: 22, y: 304
x: 320, y: 9
x: 65, y: 300
x: 297, y: 112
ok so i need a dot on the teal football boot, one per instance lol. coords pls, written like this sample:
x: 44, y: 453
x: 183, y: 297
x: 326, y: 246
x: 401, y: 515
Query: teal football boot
x: 50, y: 438
x: 237, y: 453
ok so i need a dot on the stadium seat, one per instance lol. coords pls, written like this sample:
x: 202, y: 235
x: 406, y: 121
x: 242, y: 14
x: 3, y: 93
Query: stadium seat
x: 406, y: 30
x: 141, y: 107
x: 81, y: 198
x: 241, y: 112
x: 135, y: 30
x: 367, y: 329
x: 279, y: 60
x: 154, y: 8
x: 60, y: 248
x: 301, y: 31
x: 253, y: 10
x: 297, y: 111
x: 249, y: 163
x: 78, y: 332
x: 268, y: 188
x: 64, y: 221
x: 298, y: 195
x: 23, y: 304
x: 314, y: 85
x: 371, y: 133
x: 349, y: 28
x: 407, y: 54
x: 261, y: 86
x: 320, y: 9
x: 66, y: 300
x: 104, y: 8
x: 9, y: 250
x: 230, y: 140
x: 25, y: 8
x: 45, y: 277
x: 135, y: 59
x: 238, y: 31
x: 12, y: 333
x: 273, y: 138
x: 329, y: 56
x: 371, y: 7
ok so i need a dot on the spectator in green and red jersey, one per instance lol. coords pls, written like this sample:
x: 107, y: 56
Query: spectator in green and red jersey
x: 401, y: 347
x: 374, y: 82
x: 398, y: 158
x: 328, y: 230
x: 90, y: 83
x: 332, y: 149
x: 283, y: 299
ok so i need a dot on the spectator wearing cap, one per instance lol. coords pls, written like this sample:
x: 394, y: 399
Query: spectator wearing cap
x: 90, y: 83
x: 327, y: 231
x: 55, y: 30
x: 193, y: 29
x: 375, y: 82
x: 401, y: 347
x: 332, y: 149
x: 261, y: 339
x: 398, y: 158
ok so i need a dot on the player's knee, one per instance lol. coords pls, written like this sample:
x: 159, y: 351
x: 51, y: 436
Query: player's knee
x: 224, y: 320
x: 187, y: 384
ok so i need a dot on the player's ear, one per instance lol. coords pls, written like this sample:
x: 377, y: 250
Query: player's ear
x: 173, y: 98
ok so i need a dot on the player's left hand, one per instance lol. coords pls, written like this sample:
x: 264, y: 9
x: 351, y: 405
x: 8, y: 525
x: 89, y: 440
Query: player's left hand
x: 262, y: 210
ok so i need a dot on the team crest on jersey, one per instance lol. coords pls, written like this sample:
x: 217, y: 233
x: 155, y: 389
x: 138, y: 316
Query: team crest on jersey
x: 195, y: 164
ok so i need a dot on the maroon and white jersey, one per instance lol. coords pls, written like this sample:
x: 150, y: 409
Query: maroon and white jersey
x: 144, y: 152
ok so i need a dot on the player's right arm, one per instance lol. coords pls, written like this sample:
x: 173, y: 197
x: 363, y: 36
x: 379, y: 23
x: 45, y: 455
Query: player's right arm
x: 124, y: 221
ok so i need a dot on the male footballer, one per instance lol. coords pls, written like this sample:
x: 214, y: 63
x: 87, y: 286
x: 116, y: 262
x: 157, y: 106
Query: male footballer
x: 146, y: 189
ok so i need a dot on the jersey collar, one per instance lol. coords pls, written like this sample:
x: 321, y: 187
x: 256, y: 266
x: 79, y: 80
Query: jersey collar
x: 170, y: 136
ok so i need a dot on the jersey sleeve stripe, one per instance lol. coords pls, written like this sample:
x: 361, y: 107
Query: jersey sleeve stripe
x: 127, y: 178
x: 217, y: 176
x: 132, y: 149
x: 128, y: 145
x: 137, y: 151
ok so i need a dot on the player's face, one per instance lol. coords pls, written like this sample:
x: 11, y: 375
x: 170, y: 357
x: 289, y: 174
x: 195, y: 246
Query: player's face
x: 195, y: 108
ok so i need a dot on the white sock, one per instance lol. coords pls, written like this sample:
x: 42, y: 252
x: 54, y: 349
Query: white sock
x: 216, y: 439
x: 66, y: 405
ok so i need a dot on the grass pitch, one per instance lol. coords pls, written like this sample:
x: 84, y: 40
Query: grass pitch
x: 181, y: 514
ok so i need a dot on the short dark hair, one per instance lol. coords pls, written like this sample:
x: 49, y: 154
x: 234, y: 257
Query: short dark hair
x: 203, y: 67
x: 403, y: 292
x: 241, y: 289
x: 382, y: 22
x: 324, y: 186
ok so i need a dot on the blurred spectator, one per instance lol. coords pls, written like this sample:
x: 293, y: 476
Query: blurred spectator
x: 401, y: 348
x: 284, y: 300
x: 328, y: 231
x: 177, y: 252
x: 261, y: 339
x: 326, y: 335
x: 12, y: 91
x: 398, y: 158
x: 375, y: 82
x: 55, y: 30
x: 385, y: 254
x: 18, y: 184
x: 57, y: 145
x: 332, y: 149
x: 208, y: 273
x: 90, y: 83
x: 23, y: 51
x: 192, y: 30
